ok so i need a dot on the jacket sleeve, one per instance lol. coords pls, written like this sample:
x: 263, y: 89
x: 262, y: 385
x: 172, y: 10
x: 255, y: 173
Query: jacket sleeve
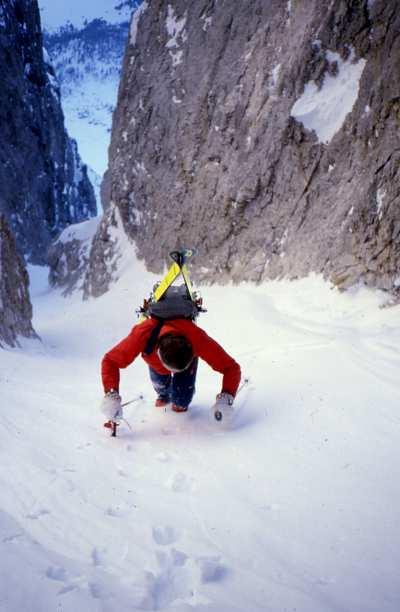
x: 209, y: 350
x: 122, y: 355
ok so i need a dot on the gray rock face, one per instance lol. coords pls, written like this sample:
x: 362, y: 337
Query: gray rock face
x: 15, y: 305
x: 43, y: 183
x: 264, y: 134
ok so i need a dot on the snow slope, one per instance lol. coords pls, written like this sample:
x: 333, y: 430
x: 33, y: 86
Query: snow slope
x: 295, y: 508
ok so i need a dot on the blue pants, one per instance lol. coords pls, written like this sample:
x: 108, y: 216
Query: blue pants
x: 179, y: 387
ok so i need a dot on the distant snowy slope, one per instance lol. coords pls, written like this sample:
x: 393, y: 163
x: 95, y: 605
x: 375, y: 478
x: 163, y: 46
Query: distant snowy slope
x: 86, y: 42
x: 56, y: 13
x: 88, y: 63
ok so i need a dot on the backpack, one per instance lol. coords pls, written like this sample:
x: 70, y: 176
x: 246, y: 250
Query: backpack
x: 176, y: 303
x: 168, y: 302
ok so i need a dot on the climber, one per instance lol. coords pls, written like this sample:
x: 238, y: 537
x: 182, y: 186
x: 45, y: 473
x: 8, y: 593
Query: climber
x: 171, y: 349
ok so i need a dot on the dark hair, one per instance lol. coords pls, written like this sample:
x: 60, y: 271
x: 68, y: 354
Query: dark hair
x: 175, y: 351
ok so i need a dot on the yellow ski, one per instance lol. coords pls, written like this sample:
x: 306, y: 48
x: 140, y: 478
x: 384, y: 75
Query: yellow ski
x: 168, y: 279
x: 177, y: 268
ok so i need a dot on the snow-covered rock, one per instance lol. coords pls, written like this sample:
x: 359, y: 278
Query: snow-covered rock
x: 112, y: 251
x: 68, y: 256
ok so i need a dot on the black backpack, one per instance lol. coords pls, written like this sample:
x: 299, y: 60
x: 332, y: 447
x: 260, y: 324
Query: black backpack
x: 176, y: 303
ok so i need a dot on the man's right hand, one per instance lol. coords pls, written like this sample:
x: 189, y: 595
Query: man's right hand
x: 111, y: 405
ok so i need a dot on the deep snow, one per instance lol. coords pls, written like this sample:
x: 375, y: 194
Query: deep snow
x: 295, y: 508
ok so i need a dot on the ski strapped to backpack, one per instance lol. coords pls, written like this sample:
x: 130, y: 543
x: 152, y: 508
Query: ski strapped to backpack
x: 168, y: 302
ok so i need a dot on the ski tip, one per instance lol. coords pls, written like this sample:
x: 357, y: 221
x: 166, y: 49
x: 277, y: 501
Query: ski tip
x: 180, y: 256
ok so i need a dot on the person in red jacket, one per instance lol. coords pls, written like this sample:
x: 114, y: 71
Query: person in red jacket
x: 171, y: 350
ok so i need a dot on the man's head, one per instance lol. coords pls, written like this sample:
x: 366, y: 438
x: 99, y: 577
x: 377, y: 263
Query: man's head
x: 175, y: 352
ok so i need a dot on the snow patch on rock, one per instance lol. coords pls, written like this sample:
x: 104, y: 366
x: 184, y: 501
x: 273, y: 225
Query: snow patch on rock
x: 135, y: 22
x: 176, y: 31
x: 380, y: 196
x: 207, y: 21
x: 325, y: 109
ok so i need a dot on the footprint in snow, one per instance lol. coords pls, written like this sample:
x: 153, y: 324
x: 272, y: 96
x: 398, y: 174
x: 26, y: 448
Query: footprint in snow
x: 12, y: 537
x: 173, y: 582
x: 57, y: 573
x: 97, y: 590
x: 211, y: 569
x: 179, y: 483
x: 98, y: 556
x: 60, y: 574
x: 117, y: 511
x: 163, y: 457
x: 180, y: 578
x: 36, y: 515
x: 164, y: 536
x: 67, y: 589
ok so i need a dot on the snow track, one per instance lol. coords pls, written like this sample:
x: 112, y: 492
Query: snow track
x: 294, y: 508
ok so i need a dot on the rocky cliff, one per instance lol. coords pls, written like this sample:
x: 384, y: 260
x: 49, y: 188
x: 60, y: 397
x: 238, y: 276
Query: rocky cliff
x: 43, y: 183
x: 15, y: 305
x: 88, y: 62
x: 264, y: 134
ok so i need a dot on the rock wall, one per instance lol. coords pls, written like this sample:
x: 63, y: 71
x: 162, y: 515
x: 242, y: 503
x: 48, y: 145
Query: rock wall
x: 15, y: 305
x: 43, y: 184
x: 264, y: 134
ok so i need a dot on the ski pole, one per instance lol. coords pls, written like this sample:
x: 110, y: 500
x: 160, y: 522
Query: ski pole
x: 136, y: 399
x: 244, y: 384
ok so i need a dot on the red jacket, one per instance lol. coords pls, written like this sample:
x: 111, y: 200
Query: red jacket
x: 203, y: 346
